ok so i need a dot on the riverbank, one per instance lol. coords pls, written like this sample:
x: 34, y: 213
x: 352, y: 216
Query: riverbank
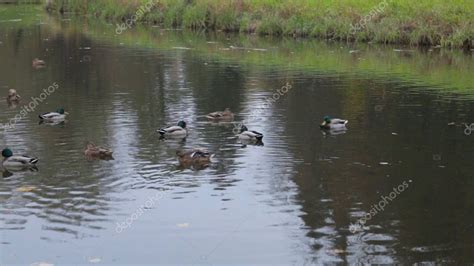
x: 423, y: 22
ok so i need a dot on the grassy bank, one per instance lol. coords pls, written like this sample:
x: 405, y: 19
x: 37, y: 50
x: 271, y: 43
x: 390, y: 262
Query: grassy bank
x: 422, y: 22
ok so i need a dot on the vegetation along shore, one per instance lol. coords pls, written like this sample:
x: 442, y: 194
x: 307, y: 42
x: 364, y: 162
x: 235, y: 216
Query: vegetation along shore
x: 422, y: 22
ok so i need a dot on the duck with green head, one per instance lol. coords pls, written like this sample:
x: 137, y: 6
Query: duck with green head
x: 178, y: 131
x: 59, y: 115
x: 17, y: 161
x: 249, y: 135
x: 333, y: 123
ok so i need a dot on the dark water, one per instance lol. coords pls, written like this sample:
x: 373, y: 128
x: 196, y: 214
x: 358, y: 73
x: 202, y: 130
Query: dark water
x: 291, y: 201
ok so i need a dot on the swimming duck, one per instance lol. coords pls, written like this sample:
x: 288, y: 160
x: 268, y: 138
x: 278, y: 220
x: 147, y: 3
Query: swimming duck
x: 333, y: 123
x: 94, y: 151
x: 59, y: 115
x: 221, y: 115
x: 37, y: 63
x: 246, y: 134
x: 178, y: 131
x: 17, y: 161
x: 13, y: 96
x: 195, y: 156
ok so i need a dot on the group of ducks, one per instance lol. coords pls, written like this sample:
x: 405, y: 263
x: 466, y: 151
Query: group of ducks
x: 193, y: 157
x: 199, y: 157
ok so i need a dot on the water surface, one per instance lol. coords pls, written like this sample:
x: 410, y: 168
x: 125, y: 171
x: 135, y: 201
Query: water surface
x: 290, y: 201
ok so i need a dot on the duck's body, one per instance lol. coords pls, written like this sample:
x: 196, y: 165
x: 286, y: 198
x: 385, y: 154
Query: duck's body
x: 333, y: 123
x: 225, y: 115
x: 250, y: 135
x: 13, y: 96
x: 178, y: 131
x: 57, y: 116
x: 93, y: 151
x: 37, y: 63
x: 17, y: 161
x: 196, y: 156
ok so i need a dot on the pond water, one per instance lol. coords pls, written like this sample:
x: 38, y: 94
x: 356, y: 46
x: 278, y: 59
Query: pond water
x: 298, y: 199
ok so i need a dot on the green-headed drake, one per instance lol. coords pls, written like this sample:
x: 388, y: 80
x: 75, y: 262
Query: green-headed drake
x: 333, y: 123
x: 246, y: 134
x: 179, y: 131
x: 59, y: 115
x: 17, y: 161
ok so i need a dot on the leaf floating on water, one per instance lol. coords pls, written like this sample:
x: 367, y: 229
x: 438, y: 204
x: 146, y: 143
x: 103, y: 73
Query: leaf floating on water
x: 94, y: 260
x: 26, y: 189
x: 337, y: 251
x: 183, y: 225
x: 42, y: 264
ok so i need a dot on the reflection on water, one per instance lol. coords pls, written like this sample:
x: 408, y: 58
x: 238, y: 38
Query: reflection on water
x: 291, y: 200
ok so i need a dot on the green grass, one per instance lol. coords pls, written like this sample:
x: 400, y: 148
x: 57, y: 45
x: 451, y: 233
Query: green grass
x: 421, y: 22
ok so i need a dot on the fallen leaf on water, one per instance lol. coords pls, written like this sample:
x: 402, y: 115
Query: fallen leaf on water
x: 26, y: 188
x: 183, y: 225
x: 42, y: 264
x: 337, y: 251
x: 94, y: 260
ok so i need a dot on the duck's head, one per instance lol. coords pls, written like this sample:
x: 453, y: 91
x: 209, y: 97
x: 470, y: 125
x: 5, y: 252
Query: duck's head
x: 179, y: 154
x: 12, y: 92
x: 327, y: 119
x: 7, y: 153
x: 61, y: 111
x: 182, y: 124
x: 243, y: 129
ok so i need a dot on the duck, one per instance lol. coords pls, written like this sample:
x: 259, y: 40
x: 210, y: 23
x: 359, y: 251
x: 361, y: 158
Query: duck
x: 94, y: 151
x: 13, y: 96
x: 178, y: 131
x: 195, y: 156
x: 246, y: 134
x: 221, y: 115
x: 59, y: 115
x: 16, y: 161
x: 333, y: 123
x: 38, y: 63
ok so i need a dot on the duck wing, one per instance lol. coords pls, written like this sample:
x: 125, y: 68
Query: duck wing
x: 215, y: 115
x: 23, y: 159
x: 339, y: 121
x: 200, y: 154
x: 49, y: 115
x: 168, y: 130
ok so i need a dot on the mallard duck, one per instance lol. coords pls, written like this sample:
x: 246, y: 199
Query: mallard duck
x: 13, y: 96
x: 246, y: 134
x: 9, y: 160
x: 221, y: 115
x: 196, y: 156
x: 93, y: 151
x: 59, y: 115
x: 37, y: 63
x: 333, y: 123
x: 178, y: 131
